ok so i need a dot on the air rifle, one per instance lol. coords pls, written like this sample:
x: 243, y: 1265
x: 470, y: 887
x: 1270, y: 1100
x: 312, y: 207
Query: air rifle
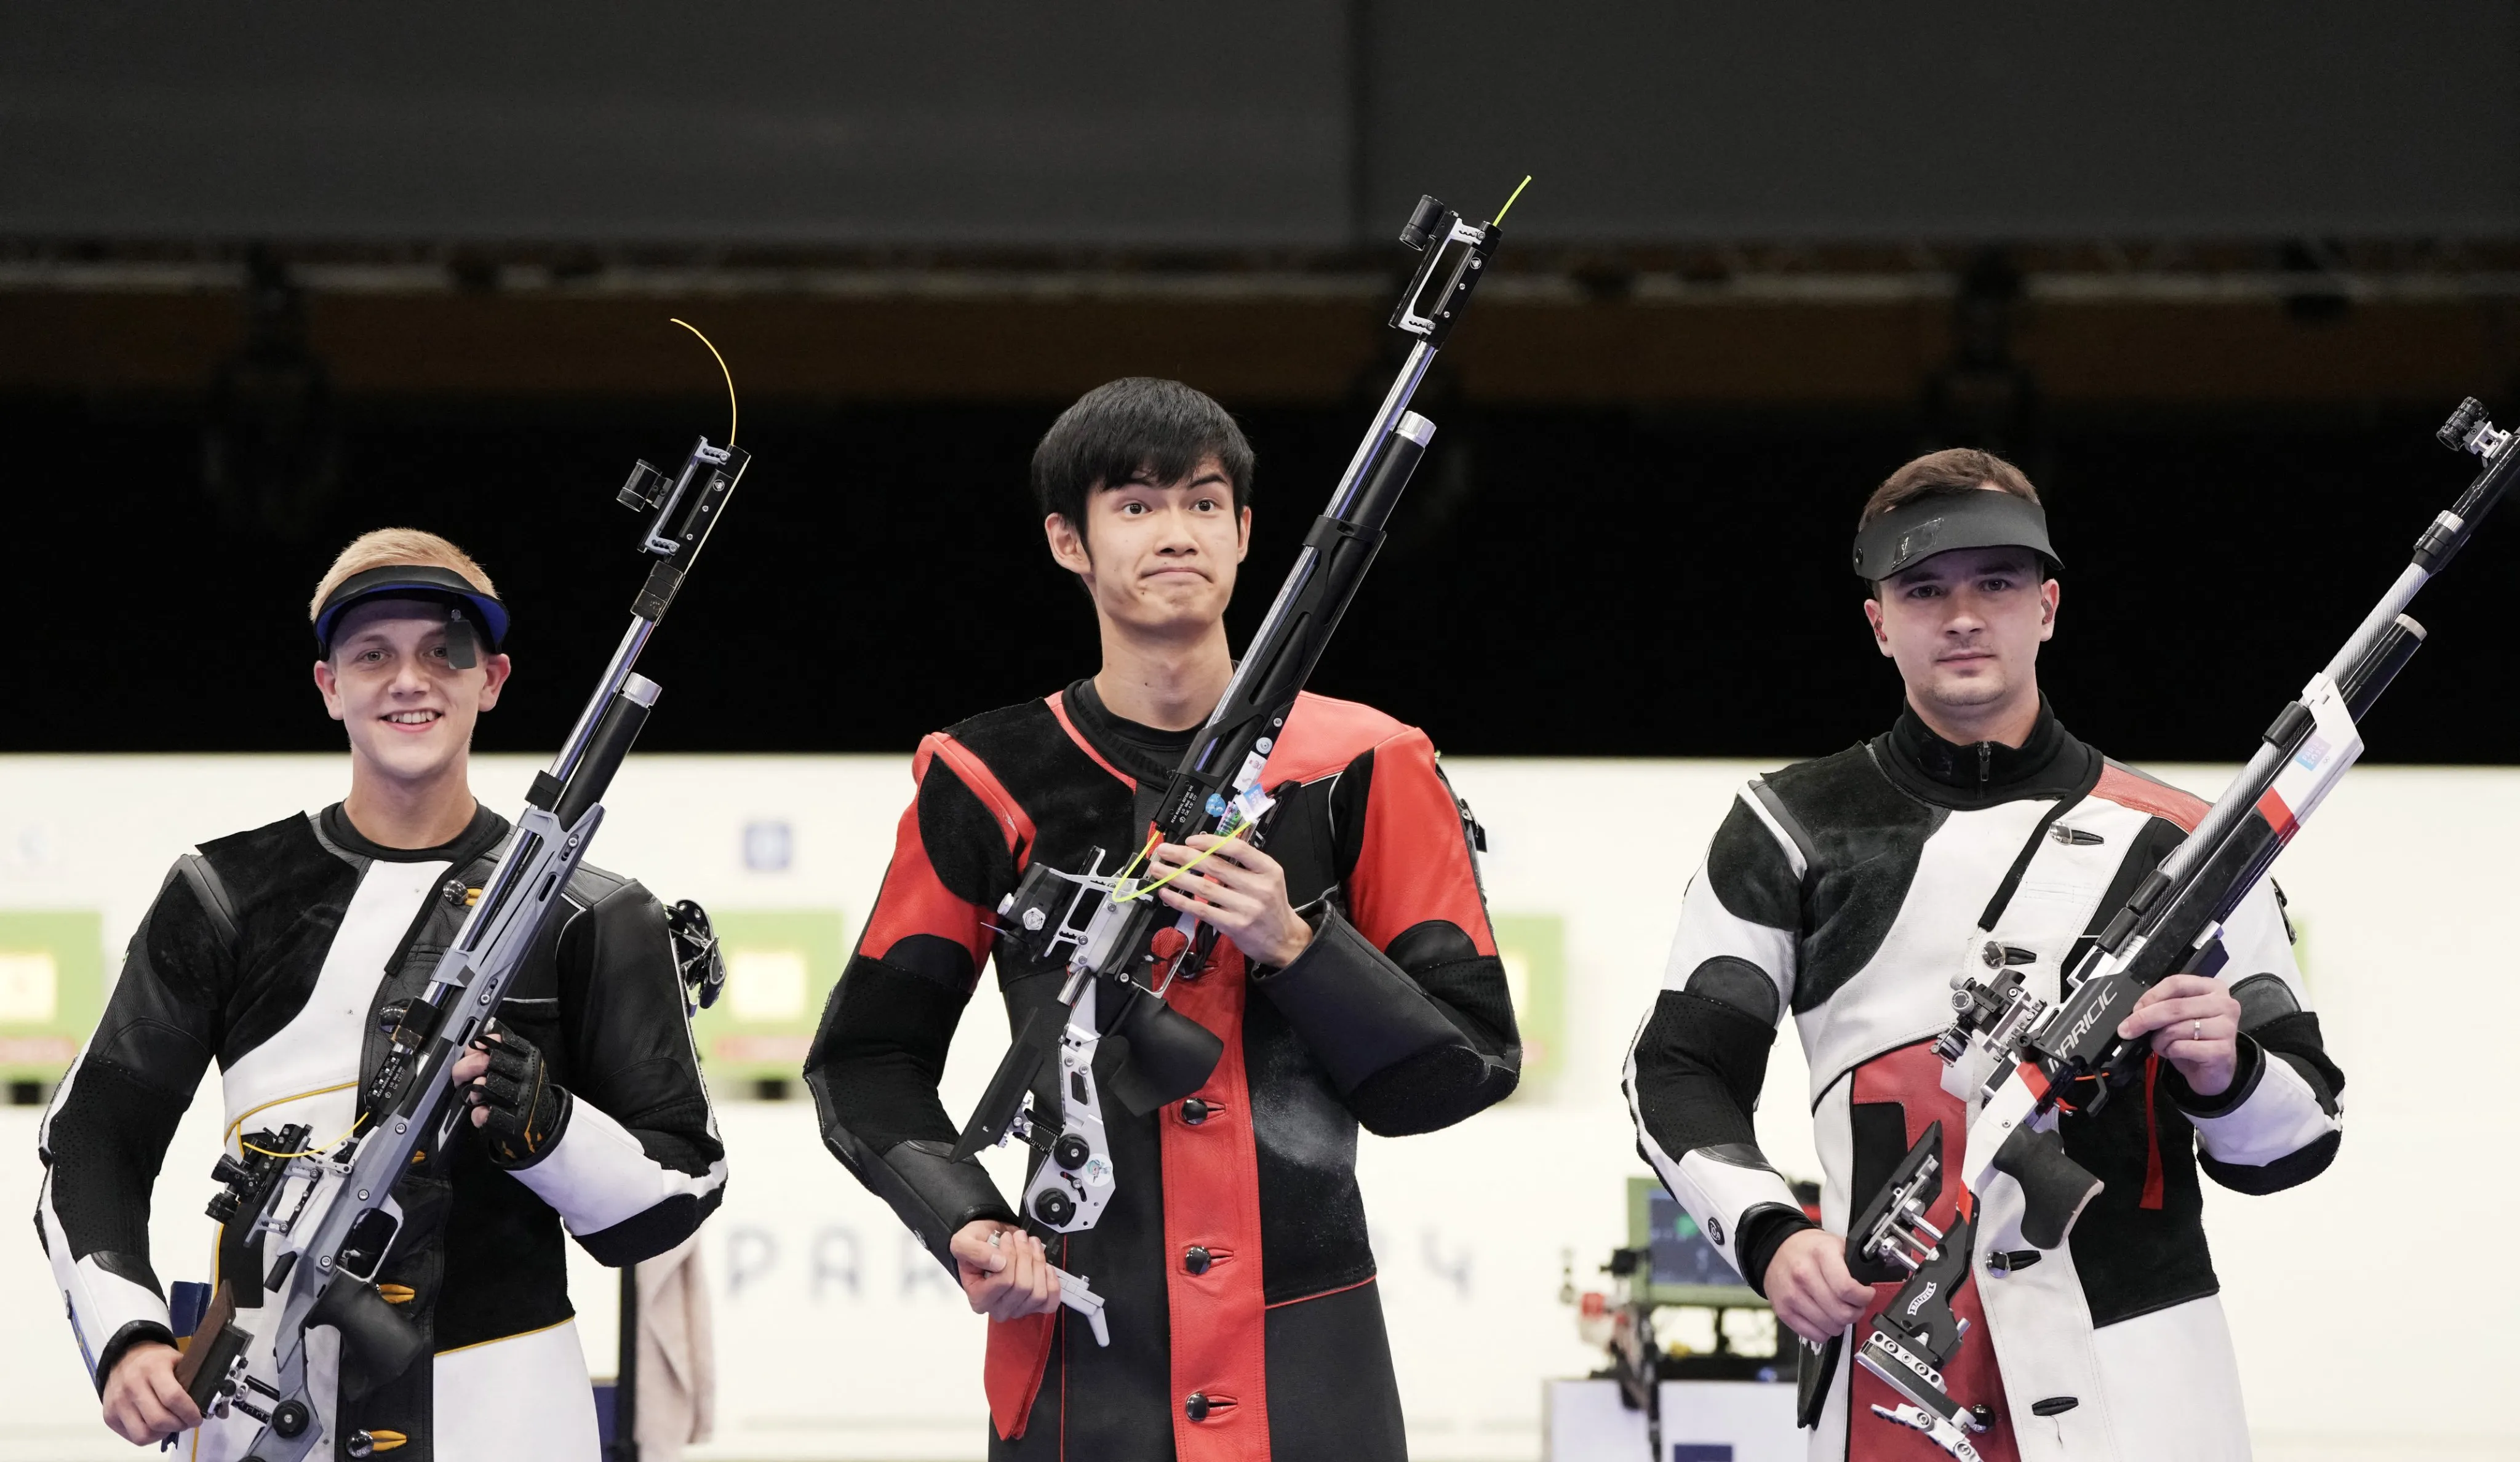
x: 330, y: 1214
x: 1127, y: 947
x: 2019, y: 1060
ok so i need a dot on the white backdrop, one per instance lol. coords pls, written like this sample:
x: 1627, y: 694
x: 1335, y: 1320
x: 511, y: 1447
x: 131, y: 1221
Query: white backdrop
x: 2362, y: 1333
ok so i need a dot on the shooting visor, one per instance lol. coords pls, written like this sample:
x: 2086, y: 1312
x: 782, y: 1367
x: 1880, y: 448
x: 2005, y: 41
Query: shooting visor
x: 1977, y: 518
x: 469, y: 613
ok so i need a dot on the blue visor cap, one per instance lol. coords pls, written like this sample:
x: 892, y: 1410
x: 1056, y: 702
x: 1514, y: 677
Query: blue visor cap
x: 1976, y: 517
x: 467, y: 606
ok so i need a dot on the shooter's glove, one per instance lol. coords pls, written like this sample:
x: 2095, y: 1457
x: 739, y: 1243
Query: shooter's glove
x: 526, y: 1111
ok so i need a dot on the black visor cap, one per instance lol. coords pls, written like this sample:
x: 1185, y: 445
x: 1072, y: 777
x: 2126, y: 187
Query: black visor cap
x: 410, y: 581
x: 1974, y: 517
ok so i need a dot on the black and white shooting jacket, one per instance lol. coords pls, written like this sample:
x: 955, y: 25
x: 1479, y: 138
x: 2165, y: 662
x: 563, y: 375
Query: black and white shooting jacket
x: 272, y: 952
x: 1848, y: 890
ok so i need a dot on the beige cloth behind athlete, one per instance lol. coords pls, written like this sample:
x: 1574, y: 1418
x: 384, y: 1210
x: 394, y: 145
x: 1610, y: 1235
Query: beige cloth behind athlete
x: 677, y: 1354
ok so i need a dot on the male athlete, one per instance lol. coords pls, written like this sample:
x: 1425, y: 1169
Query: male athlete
x: 1849, y: 890
x: 273, y: 951
x: 1355, y: 983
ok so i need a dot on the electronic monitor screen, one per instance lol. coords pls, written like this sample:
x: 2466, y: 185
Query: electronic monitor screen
x: 1686, y: 1269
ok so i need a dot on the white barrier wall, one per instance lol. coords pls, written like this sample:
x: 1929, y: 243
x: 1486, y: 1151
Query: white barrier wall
x: 2365, y: 1328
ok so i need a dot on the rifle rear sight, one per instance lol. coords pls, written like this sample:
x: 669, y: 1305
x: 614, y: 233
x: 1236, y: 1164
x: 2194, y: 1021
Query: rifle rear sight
x: 2470, y: 429
x: 248, y: 1177
x: 1455, y: 254
x: 649, y: 487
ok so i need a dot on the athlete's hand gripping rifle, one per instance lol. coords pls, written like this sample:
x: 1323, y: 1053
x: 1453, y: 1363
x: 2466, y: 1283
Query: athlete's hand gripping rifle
x: 1127, y: 947
x: 331, y: 1216
x: 2020, y: 1060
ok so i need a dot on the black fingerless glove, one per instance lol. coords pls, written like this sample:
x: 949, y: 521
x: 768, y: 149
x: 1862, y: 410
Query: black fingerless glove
x: 528, y: 1110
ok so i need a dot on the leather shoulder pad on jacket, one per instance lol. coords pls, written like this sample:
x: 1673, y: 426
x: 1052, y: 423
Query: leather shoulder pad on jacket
x: 1324, y: 735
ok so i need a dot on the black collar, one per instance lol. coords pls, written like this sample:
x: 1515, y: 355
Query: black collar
x: 478, y: 837
x: 1146, y: 752
x: 2048, y: 762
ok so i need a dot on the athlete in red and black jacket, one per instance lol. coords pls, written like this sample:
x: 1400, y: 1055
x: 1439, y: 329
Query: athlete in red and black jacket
x: 1356, y: 983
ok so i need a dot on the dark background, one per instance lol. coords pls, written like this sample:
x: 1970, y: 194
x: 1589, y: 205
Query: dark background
x: 1563, y: 582
x: 270, y: 278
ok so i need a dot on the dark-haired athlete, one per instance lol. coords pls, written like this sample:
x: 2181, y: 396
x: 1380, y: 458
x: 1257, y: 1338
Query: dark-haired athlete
x: 272, y: 951
x: 1356, y: 983
x: 1851, y: 889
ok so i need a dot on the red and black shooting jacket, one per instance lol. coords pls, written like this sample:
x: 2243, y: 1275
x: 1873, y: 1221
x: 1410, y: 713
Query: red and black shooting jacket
x: 1233, y: 1256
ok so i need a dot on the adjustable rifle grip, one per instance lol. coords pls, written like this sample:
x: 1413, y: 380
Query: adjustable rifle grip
x: 1167, y: 1056
x: 370, y: 1326
x: 2053, y: 1186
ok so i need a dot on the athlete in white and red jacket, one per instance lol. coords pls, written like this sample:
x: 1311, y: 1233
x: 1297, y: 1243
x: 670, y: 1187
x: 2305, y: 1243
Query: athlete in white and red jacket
x: 1848, y: 890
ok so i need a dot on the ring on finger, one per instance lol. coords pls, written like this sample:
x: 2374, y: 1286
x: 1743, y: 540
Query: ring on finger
x: 2197, y: 1031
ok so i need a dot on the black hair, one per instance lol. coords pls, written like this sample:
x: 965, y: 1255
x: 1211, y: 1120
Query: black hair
x: 1138, y: 427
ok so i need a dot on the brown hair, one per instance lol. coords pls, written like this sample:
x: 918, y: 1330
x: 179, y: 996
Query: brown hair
x: 1940, y: 474
x: 390, y: 546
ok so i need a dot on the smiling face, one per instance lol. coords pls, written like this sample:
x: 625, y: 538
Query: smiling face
x: 1159, y: 560
x: 409, y: 713
x: 1965, y: 627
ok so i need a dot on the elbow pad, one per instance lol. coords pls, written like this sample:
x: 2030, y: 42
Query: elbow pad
x: 1360, y: 1013
x: 1403, y: 1059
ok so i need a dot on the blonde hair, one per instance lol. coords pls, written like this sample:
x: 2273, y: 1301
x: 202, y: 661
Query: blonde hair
x: 390, y: 546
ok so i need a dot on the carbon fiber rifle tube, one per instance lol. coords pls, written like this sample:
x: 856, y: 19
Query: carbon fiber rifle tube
x: 2205, y: 878
x: 606, y: 749
x: 2252, y: 847
x: 1410, y: 437
x: 616, y: 672
x: 1336, y: 554
x: 2440, y: 542
x: 1386, y: 420
x: 2363, y: 684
